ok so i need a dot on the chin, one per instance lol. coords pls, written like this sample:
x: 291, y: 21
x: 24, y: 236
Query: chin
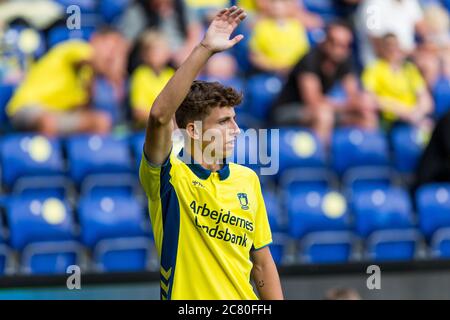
x: 228, y: 151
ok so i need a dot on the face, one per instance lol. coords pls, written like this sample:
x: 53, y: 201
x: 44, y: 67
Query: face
x: 221, y: 66
x: 157, y: 55
x: 391, y: 50
x: 337, y: 45
x: 279, y: 8
x: 219, y: 133
x: 110, y: 52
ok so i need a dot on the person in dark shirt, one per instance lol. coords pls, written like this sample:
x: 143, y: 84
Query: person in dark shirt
x: 303, y: 99
x: 434, y: 165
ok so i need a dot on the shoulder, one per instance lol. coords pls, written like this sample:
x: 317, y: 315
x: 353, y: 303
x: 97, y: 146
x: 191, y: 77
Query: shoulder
x: 141, y: 71
x: 80, y: 47
x: 243, y: 172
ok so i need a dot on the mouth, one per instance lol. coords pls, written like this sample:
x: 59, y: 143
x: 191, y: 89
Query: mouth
x: 231, y: 143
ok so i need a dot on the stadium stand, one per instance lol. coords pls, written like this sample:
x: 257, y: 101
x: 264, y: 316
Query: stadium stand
x: 77, y: 199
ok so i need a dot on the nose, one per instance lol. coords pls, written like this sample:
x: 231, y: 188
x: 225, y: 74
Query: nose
x: 236, y: 129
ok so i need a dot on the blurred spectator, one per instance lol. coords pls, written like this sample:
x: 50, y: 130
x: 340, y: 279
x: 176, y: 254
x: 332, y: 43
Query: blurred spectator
x: 221, y: 67
x: 342, y: 294
x: 433, y: 54
x: 304, y: 100
x: 55, y: 96
x: 149, y: 79
x: 434, y: 165
x: 399, y: 89
x: 177, y: 22
x: 375, y: 18
x: 278, y: 40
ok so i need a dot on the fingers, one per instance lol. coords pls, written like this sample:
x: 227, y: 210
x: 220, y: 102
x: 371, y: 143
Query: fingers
x: 234, y: 15
x: 221, y: 12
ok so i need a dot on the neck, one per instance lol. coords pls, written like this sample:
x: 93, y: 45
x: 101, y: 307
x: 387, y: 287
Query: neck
x: 210, y: 164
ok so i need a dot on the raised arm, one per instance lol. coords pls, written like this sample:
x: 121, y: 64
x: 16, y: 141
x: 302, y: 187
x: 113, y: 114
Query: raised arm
x: 159, y: 127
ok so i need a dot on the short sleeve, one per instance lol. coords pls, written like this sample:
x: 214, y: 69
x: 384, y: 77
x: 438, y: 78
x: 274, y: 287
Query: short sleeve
x: 153, y: 178
x: 74, y: 51
x: 308, y: 64
x: 263, y: 235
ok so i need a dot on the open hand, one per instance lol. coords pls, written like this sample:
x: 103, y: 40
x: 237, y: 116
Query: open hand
x: 218, y: 35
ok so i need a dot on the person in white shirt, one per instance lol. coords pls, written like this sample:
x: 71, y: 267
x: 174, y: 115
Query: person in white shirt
x: 376, y: 18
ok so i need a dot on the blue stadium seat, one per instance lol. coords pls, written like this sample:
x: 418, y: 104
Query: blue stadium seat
x: 62, y: 33
x: 382, y: 209
x: 273, y: 210
x: 441, y: 94
x: 327, y: 247
x: 433, y: 208
x: 408, y: 143
x: 94, y: 154
x: 262, y: 89
x: 86, y: 6
x: 32, y: 162
x: 137, y: 145
x: 114, y: 228
x: 393, y: 245
x: 6, y: 92
x: 4, y: 258
x: 123, y: 254
x: 368, y: 178
x: 43, y: 230
x: 28, y: 42
x: 317, y: 179
x: 279, y: 247
x: 353, y: 147
x: 315, y: 210
x: 325, y: 8
x: 299, y: 148
x: 440, y: 244
x: 111, y: 9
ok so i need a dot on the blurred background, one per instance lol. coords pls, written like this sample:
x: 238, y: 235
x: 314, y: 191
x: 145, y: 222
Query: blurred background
x: 360, y: 90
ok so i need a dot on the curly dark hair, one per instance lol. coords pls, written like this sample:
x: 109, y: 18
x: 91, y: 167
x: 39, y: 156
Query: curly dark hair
x: 202, y: 97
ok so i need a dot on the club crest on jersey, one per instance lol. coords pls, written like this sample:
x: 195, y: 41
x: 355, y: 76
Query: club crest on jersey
x: 243, y: 200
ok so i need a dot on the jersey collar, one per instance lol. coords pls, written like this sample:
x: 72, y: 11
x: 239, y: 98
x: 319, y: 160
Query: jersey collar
x: 204, y: 173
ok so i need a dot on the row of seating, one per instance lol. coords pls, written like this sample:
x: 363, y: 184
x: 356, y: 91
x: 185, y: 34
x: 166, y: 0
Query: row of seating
x: 327, y: 226
x: 309, y: 225
x: 49, y: 235
x: 355, y: 155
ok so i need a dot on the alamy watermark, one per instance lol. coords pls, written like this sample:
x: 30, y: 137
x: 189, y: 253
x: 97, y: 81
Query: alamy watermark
x: 374, y: 280
x: 73, y: 281
x: 256, y: 148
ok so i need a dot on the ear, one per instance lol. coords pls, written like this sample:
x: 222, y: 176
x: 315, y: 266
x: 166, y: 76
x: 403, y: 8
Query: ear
x: 193, y: 131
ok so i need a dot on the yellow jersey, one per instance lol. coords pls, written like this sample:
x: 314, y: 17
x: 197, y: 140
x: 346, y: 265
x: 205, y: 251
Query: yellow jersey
x: 205, y: 224
x: 145, y: 86
x: 282, y: 43
x: 58, y: 81
x: 396, y: 85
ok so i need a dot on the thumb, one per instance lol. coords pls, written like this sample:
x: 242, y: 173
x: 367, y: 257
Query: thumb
x: 237, y: 39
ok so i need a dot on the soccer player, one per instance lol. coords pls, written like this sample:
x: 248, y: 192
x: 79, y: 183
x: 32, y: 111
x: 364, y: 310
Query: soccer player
x: 208, y: 216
